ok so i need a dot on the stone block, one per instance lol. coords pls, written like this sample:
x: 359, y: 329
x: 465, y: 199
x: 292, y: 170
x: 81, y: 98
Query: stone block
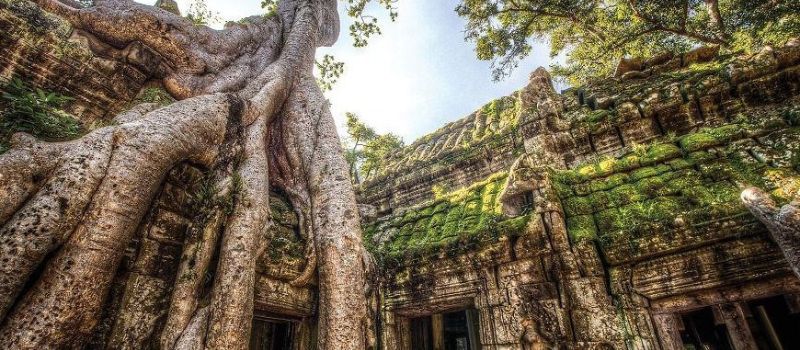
x: 588, y: 292
x: 168, y: 227
x: 639, y: 131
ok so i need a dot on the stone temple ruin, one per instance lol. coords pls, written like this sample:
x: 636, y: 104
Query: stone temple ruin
x: 604, y: 217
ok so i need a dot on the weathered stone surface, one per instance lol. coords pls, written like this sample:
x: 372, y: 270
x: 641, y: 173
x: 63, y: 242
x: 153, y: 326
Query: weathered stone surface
x: 629, y: 194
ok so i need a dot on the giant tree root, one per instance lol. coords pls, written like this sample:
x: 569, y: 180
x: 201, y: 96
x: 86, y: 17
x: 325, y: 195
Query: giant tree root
x: 783, y: 223
x: 73, y: 207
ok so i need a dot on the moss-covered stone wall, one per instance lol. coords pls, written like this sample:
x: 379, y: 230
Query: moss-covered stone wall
x: 636, y: 204
x: 451, y: 224
x: 621, y: 200
x: 457, y: 155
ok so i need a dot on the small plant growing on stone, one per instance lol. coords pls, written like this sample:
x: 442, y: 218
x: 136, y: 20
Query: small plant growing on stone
x: 153, y: 95
x: 35, y: 111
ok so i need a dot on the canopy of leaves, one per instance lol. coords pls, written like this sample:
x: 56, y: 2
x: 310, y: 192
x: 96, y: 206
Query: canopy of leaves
x: 365, y: 149
x: 595, y: 34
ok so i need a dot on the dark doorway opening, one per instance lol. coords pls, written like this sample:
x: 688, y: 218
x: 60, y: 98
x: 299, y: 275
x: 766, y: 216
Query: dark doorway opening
x: 702, y: 331
x: 422, y: 333
x: 775, y: 323
x: 456, y: 330
x: 271, y: 334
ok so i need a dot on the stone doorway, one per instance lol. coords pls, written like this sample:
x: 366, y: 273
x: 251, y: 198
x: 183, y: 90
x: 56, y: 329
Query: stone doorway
x: 457, y: 330
x: 270, y: 333
x: 703, y: 331
x: 775, y: 322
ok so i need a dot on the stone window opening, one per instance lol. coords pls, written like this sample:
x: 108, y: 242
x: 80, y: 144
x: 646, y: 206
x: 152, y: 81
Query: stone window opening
x: 272, y: 333
x: 518, y: 205
x: 457, y: 330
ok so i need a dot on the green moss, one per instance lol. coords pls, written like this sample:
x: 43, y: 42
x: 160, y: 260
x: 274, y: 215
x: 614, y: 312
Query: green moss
x: 578, y: 206
x: 456, y: 221
x: 597, y: 116
x: 699, y: 141
x: 701, y: 156
x: 608, y: 182
x: 649, y: 171
x: 659, y: 153
x: 624, y: 194
x: 628, y: 162
x: 581, y: 228
x: 711, y: 137
x: 514, y: 226
x: 563, y: 190
x: 680, y: 163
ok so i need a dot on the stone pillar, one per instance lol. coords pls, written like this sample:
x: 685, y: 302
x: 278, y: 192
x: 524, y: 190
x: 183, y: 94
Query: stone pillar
x: 395, y: 332
x: 437, y: 324
x: 738, y: 330
x: 668, y: 327
x: 403, y: 334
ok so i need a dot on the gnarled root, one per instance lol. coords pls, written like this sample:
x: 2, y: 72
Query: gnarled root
x: 782, y: 223
x: 197, y: 254
x: 130, y: 161
x: 334, y: 216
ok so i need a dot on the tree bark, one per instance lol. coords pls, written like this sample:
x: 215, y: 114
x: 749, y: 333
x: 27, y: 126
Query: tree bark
x: 715, y: 18
x: 783, y: 223
x: 74, y: 206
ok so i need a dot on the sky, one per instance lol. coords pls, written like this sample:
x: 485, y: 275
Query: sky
x: 417, y: 76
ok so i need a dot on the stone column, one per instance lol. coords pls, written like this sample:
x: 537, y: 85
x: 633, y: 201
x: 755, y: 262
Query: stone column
x: 738, y: 330
x: 668, y: 328
x: 437, y: 324
x: 403, y: 334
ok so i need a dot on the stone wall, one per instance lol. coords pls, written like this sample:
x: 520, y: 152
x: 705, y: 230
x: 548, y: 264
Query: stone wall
x: 626, y: 209
x: 453, y: 157
x: 48, y: 53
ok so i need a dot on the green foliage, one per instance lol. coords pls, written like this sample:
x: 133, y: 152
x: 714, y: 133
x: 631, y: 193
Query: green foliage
x: 365, y: 150
x: 596, y: 34
x: 35, y: 111
x: 270, y: 6
x: 376, y: 151
x: 364, y: 26
x: 328, y: 72
x: 200, y: 14
x: 154, y: 95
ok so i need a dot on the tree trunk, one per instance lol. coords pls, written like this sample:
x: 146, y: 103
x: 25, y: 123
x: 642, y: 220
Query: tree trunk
x: 715, y: 18
x: 74, y: 206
